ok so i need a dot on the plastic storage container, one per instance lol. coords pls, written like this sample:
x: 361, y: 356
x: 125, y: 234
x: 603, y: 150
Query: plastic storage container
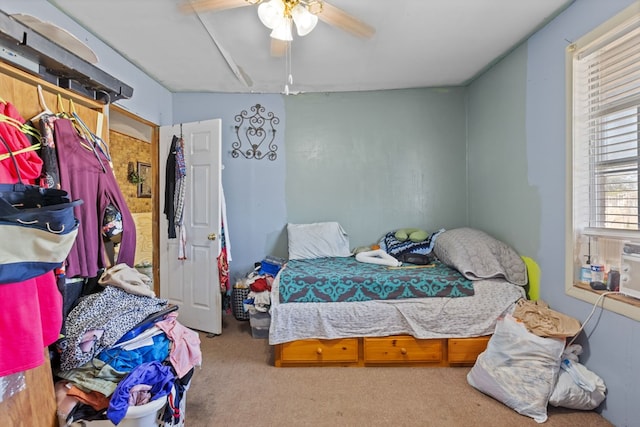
x: 137, y: 416
x: 259, y: 324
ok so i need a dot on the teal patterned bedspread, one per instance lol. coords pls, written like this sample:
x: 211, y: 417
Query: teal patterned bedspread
x: 345, y: 279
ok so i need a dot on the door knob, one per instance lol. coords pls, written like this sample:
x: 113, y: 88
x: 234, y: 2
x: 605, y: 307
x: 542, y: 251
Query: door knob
x: 212, y: 236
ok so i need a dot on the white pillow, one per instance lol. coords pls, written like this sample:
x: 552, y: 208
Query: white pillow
x: 317, y: 240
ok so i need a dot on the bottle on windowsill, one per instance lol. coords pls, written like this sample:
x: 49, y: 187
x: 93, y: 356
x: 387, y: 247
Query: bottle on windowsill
x: 613, y: 280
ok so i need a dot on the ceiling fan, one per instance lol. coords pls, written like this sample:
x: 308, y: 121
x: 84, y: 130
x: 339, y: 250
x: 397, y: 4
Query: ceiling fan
x: 282, y: 15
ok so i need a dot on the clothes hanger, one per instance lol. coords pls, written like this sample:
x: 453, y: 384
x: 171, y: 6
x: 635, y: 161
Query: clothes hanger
x: 73, y: 116
x: 43, y: 106
x: 97, y: 141
x: 22, y: 127
x: 64, y: 115
x: 34, y: 147
x: 88, y: 133
x: 81, y: 128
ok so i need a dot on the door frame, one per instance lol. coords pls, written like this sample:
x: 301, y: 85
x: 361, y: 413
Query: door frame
x: 154, y: 138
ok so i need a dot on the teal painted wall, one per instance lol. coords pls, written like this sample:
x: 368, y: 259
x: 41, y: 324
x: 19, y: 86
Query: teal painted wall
x: 501, y: 201
x: 377, y: 161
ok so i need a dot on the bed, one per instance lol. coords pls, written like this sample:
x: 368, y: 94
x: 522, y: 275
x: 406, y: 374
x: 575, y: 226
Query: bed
x: 325, y: 313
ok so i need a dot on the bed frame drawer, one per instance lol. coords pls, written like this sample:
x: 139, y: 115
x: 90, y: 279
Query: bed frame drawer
x: 466, y: 351
x: 325, y: 351
x: 403, y: 349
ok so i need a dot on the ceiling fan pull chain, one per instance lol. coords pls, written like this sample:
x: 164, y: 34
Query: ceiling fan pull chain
x: 288, y: 71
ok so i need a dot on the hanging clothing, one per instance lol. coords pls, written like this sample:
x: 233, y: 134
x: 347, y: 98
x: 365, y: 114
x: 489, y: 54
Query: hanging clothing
x: 29, y: 162
x: 225, y: 242
x: 83, y: 176
x: 178, y: 201
x: 224, y: 247
x: 30, y: 320
x: 50, y: 177
x: 30, y: 311
x: 170, y: 188
x: 181, y: 182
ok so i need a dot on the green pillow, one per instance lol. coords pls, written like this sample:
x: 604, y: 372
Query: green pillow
x: 414, y: 234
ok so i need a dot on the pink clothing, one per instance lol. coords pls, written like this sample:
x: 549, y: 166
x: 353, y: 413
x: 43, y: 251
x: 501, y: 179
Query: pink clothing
x: 30, y: 320
x: 30, y: 311
x: 185, y: 352
x: 29, y: 162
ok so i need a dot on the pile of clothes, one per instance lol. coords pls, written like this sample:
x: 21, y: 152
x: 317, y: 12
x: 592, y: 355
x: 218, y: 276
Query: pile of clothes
x: 123, y: 347
x: 259, y: 283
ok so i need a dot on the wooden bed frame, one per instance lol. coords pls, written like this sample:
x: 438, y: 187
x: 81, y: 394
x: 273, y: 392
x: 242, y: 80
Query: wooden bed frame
x: 397, y: 350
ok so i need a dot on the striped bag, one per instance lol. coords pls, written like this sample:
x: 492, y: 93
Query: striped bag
x: 38, y: 227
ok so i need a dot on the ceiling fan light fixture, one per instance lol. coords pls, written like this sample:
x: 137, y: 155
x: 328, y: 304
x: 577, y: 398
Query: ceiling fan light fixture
x: 271, y: 13
x: 283, y: 31
x: 305, y: 21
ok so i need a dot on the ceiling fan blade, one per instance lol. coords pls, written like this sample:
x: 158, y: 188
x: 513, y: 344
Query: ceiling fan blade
x: 213, y: 5
x: 341, y: 19
x: 278, y: 47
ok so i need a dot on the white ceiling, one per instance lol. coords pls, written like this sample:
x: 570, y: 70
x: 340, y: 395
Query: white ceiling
x: 418, y: 43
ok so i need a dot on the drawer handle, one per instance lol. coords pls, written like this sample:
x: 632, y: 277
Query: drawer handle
x: 403, y: 350
x: 319, y: 350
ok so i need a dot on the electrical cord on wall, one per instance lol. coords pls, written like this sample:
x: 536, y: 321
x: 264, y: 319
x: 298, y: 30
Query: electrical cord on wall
x: 601, y: 297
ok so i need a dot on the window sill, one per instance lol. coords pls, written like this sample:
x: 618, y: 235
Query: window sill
x: 618, y: 303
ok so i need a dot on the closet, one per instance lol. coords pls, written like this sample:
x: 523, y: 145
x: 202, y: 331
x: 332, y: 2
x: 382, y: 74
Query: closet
x: 35, y: 405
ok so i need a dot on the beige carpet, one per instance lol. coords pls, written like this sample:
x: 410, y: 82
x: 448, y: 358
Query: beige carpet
x: 238, y: 385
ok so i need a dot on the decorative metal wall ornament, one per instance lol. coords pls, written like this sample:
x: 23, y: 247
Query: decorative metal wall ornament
x: 257, y: 132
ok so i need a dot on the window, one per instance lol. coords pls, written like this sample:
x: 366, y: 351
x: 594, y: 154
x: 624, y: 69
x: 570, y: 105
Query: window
x: 603, y: 69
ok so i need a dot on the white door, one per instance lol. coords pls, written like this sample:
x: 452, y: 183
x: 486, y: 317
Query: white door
x: 193, y: 283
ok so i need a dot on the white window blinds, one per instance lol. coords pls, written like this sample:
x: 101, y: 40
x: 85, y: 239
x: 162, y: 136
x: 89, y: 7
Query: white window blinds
x: 606, y: 117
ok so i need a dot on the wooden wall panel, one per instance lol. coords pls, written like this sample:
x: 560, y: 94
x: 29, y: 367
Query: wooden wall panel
x: 20, y: 89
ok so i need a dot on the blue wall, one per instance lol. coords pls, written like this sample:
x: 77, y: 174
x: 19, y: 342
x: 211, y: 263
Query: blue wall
x: 254, y: 189
x: 531, y: 81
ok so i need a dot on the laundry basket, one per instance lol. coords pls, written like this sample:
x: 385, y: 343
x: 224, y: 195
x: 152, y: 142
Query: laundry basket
x: 238, y: 295
x: 137, y: 416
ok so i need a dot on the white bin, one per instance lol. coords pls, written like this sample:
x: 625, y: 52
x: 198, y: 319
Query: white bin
x: 137, y: 416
